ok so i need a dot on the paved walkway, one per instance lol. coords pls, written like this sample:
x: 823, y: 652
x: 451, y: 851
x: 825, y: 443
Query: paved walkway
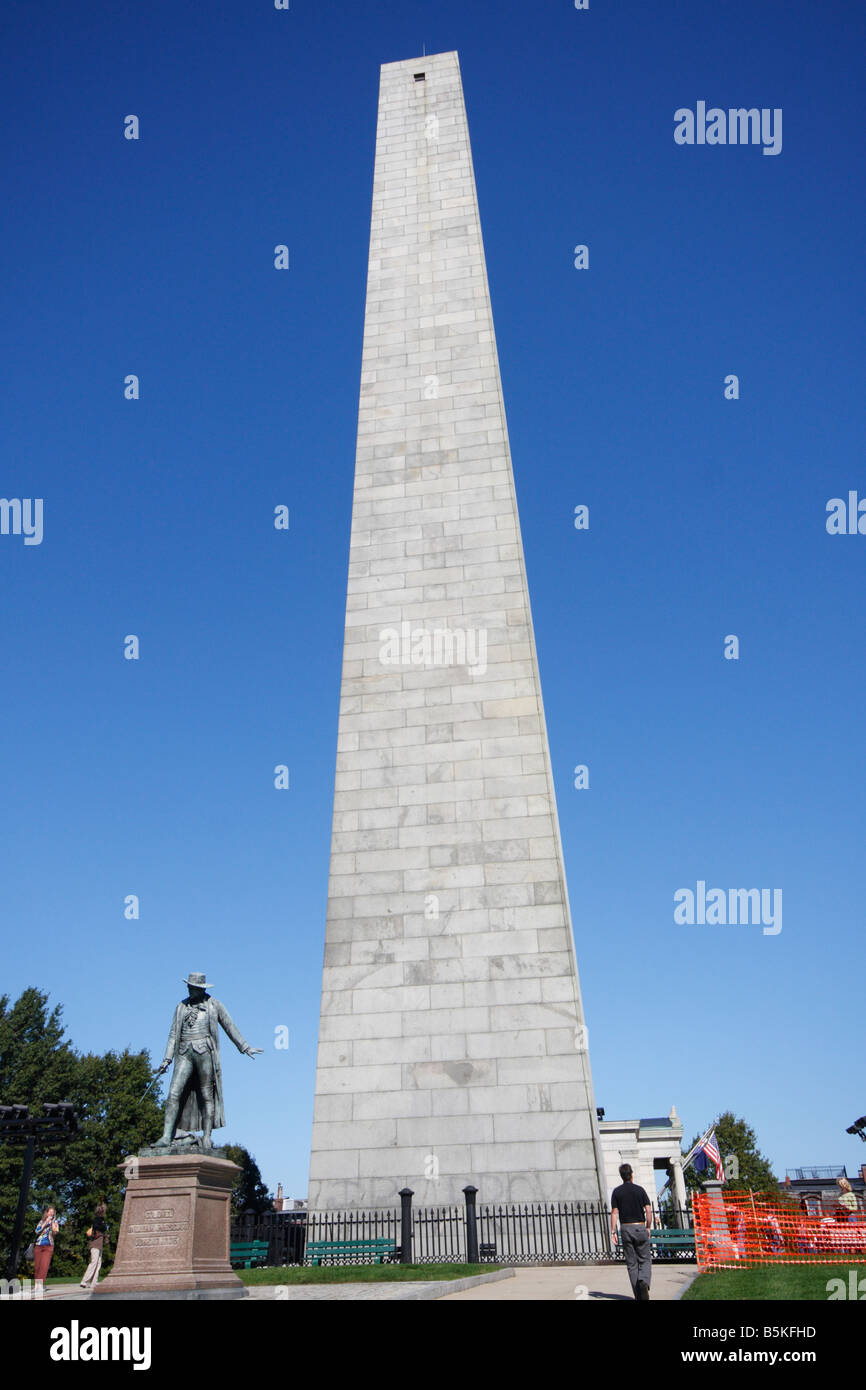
x: 49, y: 1291
x: 561, y: 1283
x: 540, y: 1283
x: 403, y: 1290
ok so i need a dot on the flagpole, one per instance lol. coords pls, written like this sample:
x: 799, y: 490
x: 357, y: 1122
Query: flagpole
x: 693, y: 1150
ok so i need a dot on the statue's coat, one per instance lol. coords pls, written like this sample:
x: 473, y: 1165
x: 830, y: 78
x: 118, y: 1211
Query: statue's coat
x: 190, y: 1116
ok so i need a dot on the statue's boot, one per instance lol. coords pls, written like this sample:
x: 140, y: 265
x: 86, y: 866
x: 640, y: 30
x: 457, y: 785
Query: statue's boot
x: 171, y: 1109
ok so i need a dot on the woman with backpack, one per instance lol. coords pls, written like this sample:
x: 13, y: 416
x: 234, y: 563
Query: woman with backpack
x: 96, y: 1235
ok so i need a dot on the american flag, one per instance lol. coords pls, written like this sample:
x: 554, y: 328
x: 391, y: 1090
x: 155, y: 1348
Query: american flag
x: 711, y: 1149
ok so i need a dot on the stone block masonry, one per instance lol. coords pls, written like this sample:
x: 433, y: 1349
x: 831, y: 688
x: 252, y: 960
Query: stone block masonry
x: 452, y: 1045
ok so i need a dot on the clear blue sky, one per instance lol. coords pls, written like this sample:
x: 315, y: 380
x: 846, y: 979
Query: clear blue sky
x: 707, y: 518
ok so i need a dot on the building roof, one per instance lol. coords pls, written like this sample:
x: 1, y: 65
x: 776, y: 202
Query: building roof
x: 816, y: 1174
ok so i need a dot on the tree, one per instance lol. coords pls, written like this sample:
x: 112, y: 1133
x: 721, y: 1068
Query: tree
x: 38, y: 1064
x: 249, y: 1192
x: 736, y: 1140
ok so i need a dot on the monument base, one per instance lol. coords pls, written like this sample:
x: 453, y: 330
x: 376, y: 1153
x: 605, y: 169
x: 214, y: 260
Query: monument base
x: 139, y: 1295
x: 174, y: 1231
x: 182, y: 1143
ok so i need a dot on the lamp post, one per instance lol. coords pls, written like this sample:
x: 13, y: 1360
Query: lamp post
x: 57, y: 1125
x: 858, y: 1127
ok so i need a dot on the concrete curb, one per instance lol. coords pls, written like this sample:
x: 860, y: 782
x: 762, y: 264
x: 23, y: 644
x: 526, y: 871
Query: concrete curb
x: 420, y: 1292
x: 686, y: 1286
x: 438, y: 1288
x: 444, y: 1286
x: 397, y: 1292
x: 72, y: 1293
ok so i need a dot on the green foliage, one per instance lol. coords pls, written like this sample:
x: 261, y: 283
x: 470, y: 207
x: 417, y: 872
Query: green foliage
x: 38, y: 1064
x: 735, y: 1137
x: 249, y: 1192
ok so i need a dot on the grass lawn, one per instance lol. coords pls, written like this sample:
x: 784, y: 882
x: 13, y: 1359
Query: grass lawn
x: 769, y: 1282
x: 357, y: 1274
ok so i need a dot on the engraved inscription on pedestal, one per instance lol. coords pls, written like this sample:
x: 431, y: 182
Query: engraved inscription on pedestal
x: 158, y: 1228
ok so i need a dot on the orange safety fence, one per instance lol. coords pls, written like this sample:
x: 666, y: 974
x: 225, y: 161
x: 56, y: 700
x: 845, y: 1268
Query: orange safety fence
x: 741, y: 1229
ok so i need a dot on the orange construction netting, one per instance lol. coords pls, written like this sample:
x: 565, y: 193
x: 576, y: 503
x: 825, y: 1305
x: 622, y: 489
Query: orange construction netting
x: 738, y: 1229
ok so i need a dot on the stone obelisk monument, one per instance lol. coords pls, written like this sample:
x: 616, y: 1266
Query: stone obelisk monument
x: 452, y: 1048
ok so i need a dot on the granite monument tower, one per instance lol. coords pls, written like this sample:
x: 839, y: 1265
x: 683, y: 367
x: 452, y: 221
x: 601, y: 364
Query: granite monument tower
x: 452, y: 1045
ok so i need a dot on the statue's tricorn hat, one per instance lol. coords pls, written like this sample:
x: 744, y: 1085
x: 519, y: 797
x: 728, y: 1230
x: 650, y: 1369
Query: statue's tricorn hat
x: 198, y: 981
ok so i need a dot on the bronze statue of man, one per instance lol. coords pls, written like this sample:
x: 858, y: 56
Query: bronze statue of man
x: 195, y: 1097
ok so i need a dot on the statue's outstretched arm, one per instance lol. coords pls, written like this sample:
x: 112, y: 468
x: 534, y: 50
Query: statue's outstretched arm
x: 234, y: 1032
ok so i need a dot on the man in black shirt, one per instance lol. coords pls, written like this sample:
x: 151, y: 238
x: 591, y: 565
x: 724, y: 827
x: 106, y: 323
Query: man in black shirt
x: 633, y: 1206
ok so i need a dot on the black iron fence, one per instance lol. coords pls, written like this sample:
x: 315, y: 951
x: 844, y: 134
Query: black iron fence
x: 504, y: 1233
x: 285, y: 1232
x: 546, y: 1232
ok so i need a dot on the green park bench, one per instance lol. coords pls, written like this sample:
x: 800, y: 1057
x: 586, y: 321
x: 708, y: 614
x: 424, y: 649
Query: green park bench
x: 247, y: 1253
x: 669, y: 1241
x: 382, y: 1247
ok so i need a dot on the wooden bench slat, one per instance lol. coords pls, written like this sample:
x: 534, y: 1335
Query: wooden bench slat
x: 244, y: 1252
x: 379, y: 1246
x: 673, y: 1239
x: 346, y: 1244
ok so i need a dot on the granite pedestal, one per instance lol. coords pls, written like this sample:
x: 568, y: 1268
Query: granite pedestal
x: 174, y: 1232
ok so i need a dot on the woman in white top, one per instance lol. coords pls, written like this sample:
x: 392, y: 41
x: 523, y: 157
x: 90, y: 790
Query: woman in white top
x: 848, y: 1199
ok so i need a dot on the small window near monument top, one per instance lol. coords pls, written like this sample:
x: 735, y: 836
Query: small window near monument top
x: 420, y: 76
